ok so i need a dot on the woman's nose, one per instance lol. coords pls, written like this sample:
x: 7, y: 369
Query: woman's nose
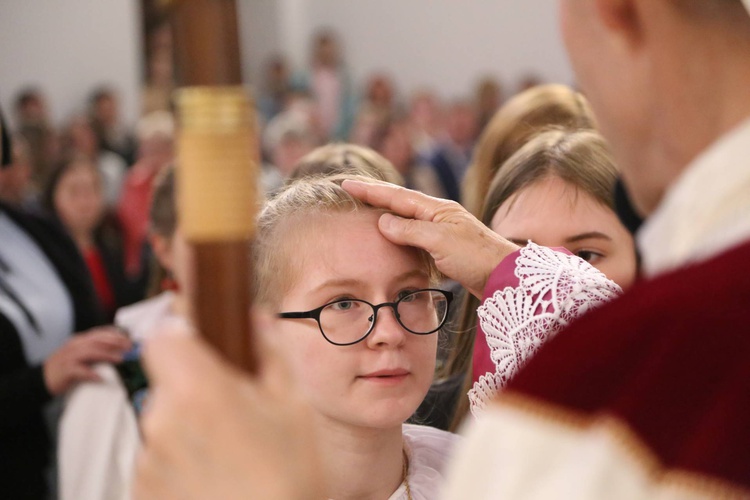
x: 387, y: 330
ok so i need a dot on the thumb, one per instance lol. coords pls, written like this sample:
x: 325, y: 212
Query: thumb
x: 411, y: 232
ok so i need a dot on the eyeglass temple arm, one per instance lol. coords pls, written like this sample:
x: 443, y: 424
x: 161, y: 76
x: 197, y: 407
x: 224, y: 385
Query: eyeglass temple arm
x: 298, y: 315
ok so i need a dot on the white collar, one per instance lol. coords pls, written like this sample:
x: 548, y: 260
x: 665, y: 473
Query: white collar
x: 706, y: 212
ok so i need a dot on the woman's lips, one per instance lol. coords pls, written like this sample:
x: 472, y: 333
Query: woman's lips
x: 387, y: 376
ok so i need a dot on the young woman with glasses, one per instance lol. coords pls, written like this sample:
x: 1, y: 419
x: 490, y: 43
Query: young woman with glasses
x: 358, y: 318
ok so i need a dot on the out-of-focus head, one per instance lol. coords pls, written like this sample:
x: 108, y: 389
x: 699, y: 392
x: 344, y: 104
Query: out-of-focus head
x: 519, y: 119
x: 291, y: 147
x: 79, y: 137
x: 425, y: 110
x: 75, y: 194
x: 489, y: 94
x: 394, y: 142
x: 155, y: 133
x: 346, y: 159
x: 325, y: 49
x: 666, y: 78
x: 557, y: 191
x: 461, y: 122
x: 276, y: 74
x: 167, y: 241
x: 379, y: 91
x: 104, y: 106
x: 31, y: 107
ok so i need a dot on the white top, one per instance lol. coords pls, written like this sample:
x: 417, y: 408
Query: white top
x: 429, y: 451
x: 99, y: 436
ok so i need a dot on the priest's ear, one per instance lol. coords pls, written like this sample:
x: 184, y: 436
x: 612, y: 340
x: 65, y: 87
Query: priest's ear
x: 623, y: 18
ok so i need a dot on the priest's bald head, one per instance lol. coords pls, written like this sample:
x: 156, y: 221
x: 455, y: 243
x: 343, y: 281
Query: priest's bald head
x: 666, y: 78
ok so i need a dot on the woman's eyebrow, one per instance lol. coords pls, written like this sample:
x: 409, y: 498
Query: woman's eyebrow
x: 350, y: 282
x: 415, y: 273
x: 586, y: 236
x: 338, y: 283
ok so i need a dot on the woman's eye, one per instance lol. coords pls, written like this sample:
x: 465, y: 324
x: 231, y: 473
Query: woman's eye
x: 407, y: 296
x: 589, y: 256
x: 344, y: 305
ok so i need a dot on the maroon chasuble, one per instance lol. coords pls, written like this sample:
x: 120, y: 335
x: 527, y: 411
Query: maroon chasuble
x: 669, y: 361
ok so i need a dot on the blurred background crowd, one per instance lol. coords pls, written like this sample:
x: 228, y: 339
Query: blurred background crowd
x: 94, y: 173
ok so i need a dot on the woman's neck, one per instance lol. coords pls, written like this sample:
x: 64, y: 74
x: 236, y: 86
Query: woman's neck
x: 359, y: 462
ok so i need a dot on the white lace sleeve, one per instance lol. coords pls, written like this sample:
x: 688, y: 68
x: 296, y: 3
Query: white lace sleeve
x: 554, y: 288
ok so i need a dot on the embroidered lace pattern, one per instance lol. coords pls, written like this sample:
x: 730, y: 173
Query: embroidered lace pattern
x: 554, y: 288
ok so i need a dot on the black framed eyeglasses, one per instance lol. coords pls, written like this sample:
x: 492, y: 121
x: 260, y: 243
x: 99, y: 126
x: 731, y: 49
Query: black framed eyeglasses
x: 348, y: 321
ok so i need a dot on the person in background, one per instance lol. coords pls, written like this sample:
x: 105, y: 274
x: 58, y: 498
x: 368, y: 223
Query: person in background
x: 99, y: 435
x: 285, y: 152
x: 79, y: 139
x: 111, y: 134
x: 46, y: 296
x: 427, y: 121
x: 520, y: 119
x: 75, y: 197
x: 393, y: 141
x: 330, y: 86
x: 453, y: 153
x: 489, y: 98
x: 155, y: 152
x: 276, y: 88
x: 33, y: 125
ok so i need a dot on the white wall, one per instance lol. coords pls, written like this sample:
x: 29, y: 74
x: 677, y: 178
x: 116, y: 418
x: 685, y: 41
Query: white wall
x: 443, y: 44
x: 68, y: 47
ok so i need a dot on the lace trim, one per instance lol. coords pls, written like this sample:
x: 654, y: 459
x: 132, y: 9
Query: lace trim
x: 554, y: 288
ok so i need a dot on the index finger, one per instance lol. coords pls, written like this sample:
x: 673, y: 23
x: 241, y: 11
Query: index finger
x: 399, y: 200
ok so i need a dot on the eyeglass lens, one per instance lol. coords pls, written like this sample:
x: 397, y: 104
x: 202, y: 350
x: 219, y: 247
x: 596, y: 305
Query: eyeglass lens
x: 420, y: 312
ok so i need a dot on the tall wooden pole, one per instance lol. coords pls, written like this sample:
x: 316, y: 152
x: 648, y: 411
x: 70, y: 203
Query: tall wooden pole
x: 217, y: 164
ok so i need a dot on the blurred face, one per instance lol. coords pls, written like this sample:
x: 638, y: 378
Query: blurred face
x: 174, y: 255
x: 462, y: 125
x: 552, y: 213
x: 380, y: 381
x: 82, y: 136
x: 78, y: 199
x: 397, y: 148
x: 106, y: 109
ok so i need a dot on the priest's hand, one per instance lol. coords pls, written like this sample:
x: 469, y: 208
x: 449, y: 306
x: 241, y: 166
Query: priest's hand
x: 464, y: 249
x: 213, y: 432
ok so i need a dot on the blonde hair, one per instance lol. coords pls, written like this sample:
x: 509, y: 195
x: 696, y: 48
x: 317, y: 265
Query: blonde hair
x: 344, y: 158
x: 286, y: 216
x: 520, y: 119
